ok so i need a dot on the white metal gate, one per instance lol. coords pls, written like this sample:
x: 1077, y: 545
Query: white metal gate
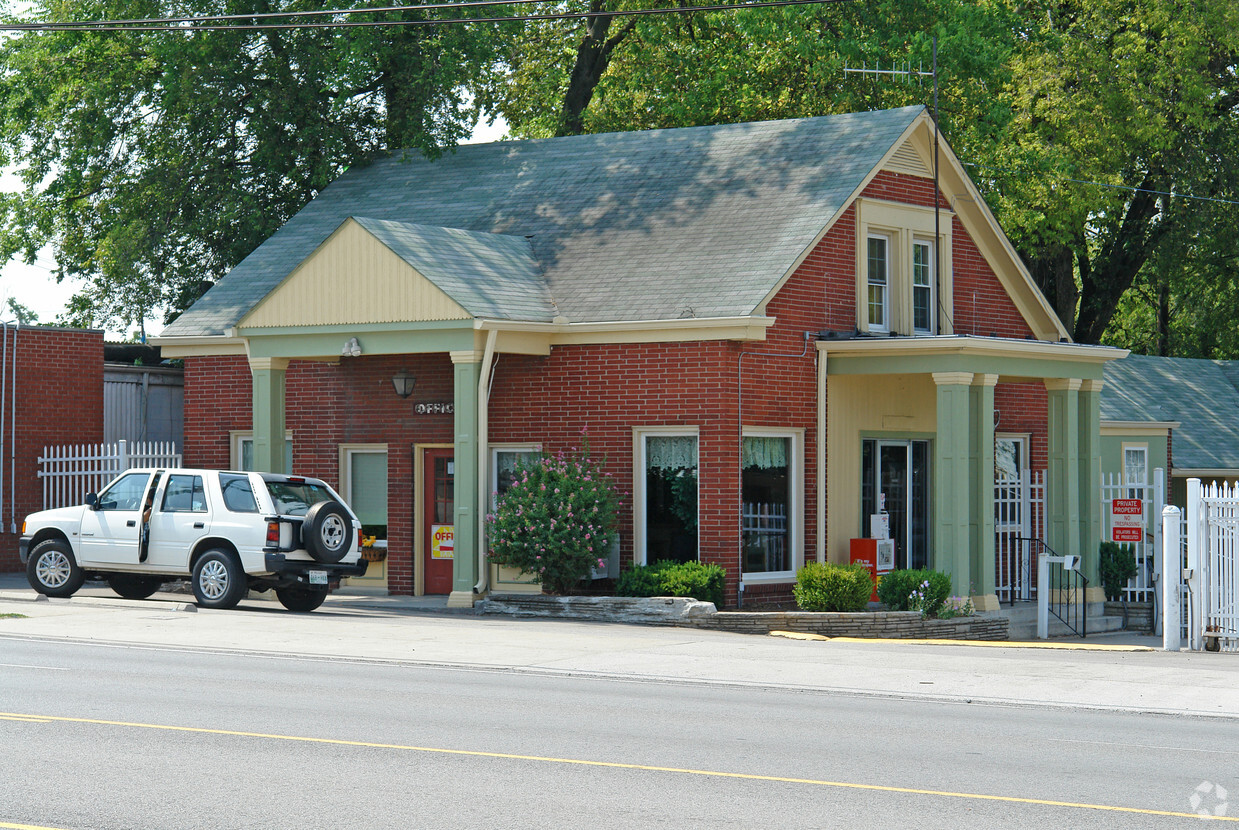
x: 1152, y: 495
x: 1019, y: 515
x: 70, y: 472
x: 1212, y: 571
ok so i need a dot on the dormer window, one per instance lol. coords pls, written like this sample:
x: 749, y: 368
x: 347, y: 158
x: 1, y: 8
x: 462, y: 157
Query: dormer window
x: 898, y: 281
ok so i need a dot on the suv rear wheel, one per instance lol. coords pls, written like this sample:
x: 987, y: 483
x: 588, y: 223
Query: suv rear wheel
x: 218, y: 580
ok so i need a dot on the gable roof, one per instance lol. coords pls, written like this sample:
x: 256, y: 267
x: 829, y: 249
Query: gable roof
x: 655, y: 225
x: 1199, y: 394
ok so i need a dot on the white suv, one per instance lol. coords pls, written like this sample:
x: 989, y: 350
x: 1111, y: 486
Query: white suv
x: 228, y: 532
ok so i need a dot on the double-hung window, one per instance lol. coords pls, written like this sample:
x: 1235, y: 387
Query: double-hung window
x: 922, y: 287
x: 878, y: 274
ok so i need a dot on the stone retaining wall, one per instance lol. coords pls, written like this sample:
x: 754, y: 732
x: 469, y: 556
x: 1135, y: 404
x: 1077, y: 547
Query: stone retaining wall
x: 690, y: 613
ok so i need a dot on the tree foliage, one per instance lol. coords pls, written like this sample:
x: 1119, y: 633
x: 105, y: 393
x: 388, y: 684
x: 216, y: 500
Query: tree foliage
x: 153, y: 162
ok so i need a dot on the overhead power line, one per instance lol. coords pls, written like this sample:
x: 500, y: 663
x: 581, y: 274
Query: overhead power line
x: 290, y: 20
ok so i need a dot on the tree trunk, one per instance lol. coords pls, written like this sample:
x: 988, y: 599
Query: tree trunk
x: 592, y: 58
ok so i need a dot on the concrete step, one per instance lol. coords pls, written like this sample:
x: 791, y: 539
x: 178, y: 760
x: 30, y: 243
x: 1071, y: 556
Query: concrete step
x: 1023, y: 622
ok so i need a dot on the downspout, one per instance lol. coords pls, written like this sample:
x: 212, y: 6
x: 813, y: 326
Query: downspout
x: 483, y: 505
x: 13, y: 439
x: 4, y: 385
x: 808, y: 335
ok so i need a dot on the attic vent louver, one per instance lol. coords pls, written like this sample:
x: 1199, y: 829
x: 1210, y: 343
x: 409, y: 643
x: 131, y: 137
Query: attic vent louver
x: 905, y: 160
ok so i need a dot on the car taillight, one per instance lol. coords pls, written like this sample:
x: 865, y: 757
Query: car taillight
x: 273, y: 534
x: 361, y: 539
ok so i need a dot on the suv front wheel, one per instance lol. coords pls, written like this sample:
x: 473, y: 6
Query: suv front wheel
x: 218, y: 580
x: 52, y: 570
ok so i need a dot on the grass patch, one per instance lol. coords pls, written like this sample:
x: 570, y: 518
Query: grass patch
x: 12, y: 616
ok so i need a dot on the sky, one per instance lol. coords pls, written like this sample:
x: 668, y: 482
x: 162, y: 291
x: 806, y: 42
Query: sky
x: 35, y: 286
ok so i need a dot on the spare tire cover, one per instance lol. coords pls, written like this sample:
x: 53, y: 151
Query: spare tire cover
x: 327, y: 531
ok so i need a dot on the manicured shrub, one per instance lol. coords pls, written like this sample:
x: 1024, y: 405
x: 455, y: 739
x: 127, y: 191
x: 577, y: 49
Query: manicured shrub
x: 825, y: 586
x: 914, y: 590
x: 1118, y: 564
x: 556, y: 521
x: 701, y: 581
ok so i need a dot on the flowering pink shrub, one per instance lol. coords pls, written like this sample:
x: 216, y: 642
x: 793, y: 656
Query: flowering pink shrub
x: 556, y: 521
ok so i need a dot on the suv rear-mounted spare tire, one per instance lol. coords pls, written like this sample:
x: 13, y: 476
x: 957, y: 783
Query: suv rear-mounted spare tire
x: 326, y: 531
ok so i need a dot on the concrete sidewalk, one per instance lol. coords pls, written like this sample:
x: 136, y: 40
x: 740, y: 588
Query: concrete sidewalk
x: 405, y: 630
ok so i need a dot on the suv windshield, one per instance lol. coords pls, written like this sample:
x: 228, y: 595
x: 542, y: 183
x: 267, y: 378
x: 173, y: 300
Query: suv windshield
x: 295, y: 498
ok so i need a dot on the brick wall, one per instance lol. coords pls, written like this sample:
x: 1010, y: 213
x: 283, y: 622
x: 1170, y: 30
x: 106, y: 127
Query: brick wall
x: 59, y: 400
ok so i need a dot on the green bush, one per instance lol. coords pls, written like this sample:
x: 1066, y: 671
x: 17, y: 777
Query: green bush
x: 915, y: 590
x: 824, y: 586
x: 701, y: 581
x: 556, y: 521
x: 1118, y: 564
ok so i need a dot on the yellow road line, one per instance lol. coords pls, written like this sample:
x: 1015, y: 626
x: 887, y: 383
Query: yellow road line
x: 24, y: 718
x: 744, y: 776
x: 24, y: 827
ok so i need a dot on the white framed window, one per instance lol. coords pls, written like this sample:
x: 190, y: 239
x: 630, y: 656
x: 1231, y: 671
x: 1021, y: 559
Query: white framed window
x: 1135, y: 469
x: 923, y: 287
x: 503, y: 459
x: 877, y: 276
x: 242, y: 450
x: 363, y: 480
x: 771, y: 499
x: 665, y: 509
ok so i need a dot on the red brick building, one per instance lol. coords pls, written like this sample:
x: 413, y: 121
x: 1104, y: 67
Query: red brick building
x: 771, y: 331
x: 52, y: 380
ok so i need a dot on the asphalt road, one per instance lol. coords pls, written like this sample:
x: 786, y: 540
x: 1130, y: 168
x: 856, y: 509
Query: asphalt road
x: 123, y: 736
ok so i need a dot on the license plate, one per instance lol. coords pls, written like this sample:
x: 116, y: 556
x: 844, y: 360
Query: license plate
x: 318, y: 577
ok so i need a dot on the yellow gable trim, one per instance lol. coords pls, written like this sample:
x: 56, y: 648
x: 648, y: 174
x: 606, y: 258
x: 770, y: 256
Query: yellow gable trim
x: 353, y: 278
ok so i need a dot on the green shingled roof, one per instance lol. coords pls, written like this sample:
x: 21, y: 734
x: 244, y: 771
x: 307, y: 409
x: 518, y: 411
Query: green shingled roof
x: 488, y: 275
x: 654, y: 225
x: 1199, y: 394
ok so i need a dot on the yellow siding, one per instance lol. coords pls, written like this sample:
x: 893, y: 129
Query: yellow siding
x: 867, y: 406
x: 353, y: 278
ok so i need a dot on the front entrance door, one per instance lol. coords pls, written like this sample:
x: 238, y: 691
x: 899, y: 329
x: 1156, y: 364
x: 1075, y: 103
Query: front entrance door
x: 438, y: 542
x: 896, y: 478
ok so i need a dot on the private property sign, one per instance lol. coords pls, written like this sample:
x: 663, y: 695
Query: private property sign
x: 1127, y: 520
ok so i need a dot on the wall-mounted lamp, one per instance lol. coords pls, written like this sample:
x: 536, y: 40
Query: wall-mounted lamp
x: 403, y: 382
x: 351, y: 349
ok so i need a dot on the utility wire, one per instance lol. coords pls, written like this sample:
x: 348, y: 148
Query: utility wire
x: 202, y: 24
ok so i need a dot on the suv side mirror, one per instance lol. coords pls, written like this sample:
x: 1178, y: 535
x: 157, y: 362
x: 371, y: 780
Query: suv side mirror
x: 92, y: 501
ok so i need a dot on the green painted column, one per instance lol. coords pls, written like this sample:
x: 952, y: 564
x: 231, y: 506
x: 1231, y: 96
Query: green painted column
x: 1090, y: 480
x: 268, y: 406
x: 982, y: 491
x: 1063, y: 476
x: 467, y: 366
x: 952, y: 467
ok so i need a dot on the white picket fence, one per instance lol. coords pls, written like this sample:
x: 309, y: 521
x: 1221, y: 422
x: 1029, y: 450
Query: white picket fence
x: 1211, y: 570
x: 70, y: 472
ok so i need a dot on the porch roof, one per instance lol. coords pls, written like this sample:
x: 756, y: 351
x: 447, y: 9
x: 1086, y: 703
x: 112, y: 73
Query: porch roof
x: 1009, y: 358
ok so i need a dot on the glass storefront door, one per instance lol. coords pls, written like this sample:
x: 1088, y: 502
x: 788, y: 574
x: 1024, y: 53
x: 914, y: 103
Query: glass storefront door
x: 895, y: 478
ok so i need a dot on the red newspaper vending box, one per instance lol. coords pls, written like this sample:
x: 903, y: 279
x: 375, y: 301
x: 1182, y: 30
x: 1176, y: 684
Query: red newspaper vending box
x: 865, y: 552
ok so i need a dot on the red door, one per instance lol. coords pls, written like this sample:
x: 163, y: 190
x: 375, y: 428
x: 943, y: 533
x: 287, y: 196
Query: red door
x: 438, y: 471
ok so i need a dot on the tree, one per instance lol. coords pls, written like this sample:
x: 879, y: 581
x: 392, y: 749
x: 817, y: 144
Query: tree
x: 153, y: 162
